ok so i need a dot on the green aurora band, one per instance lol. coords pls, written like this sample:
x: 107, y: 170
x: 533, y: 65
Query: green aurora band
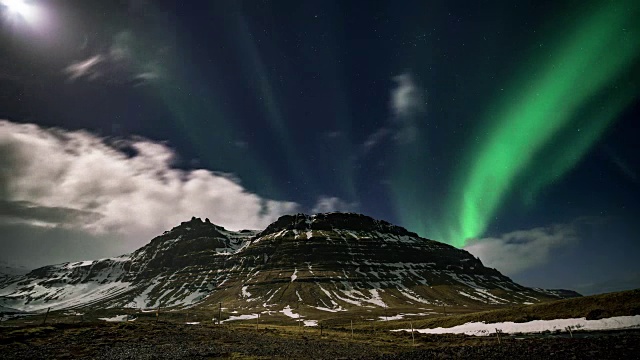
x: 556, y: 112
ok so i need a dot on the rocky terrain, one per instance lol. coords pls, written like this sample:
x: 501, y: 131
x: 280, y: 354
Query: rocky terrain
x: 172, y: 341
x: 316, y: 264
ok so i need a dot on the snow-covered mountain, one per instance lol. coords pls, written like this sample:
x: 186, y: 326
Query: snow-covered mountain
x: 330, y: 262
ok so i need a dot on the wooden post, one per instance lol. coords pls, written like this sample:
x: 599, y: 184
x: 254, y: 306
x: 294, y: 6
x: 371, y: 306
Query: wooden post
x: 498, y: 335
x: 299, y: 317
x: 352, y: 329
x: 257, y: 321
x: 320, y: 328
x: 386, y: 318
x: 413, y: 338
x: 45, y: 316
x: 158, y: 313
x: 219, y: 312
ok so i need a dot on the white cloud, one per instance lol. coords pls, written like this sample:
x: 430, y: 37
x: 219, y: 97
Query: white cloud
x: 83, y: 67
x: 407, y: 102
x: 516, y: 251
x: 331, y: 204
x: 137, y: 195
x: 406, y: 97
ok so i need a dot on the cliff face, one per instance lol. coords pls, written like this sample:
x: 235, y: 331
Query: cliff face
x: 326, y: 262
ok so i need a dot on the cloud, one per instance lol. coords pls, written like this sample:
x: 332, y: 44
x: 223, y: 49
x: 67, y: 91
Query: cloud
x: 331, y: 204
x: 23, y: 212
x: 333, y: 134
x: 85, y: 67
x: 123, y: 62
x: 407, y: 101
x: 406, y: 97
x: 406, y: 104
x: 76, y: 180
x: 374, y: 139
x: 516, y: 251
x: 626, y: 281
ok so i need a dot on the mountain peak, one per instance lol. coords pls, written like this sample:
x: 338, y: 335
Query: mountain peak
x: 333, y: 221
x: 195, y: 223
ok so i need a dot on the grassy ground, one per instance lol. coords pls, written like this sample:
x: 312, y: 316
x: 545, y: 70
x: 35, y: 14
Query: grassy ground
x: 592, y: 307
x: 69, y: 335
x: 147, y: 339
x: 237, y: 341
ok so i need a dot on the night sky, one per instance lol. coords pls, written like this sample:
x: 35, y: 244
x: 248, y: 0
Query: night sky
x: 507, y: 128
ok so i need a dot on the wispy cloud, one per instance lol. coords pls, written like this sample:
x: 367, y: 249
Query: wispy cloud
x: 407, y: 102
x: 332, y: 204
x: 82, y: 68
x: 517, y: 251
x: 120, y: 63
x: 374, y: 139
x: 333, y: 134
x: 406, y: 97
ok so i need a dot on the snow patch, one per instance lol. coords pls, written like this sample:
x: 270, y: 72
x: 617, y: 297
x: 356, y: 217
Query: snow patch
x: 240, y: 317
x: 245, y: 293
x: 538, y: 326
x: 289, y: 312
x: 115, y: 318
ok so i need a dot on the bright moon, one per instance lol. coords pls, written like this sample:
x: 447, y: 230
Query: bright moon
x: 20, y: 8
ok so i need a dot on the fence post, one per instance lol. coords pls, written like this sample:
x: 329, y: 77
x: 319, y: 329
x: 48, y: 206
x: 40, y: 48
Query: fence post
x: 219, y: 312
x: 352, y: 329
x: 320, y: 328
x: 299, y: 316
x: 386, y: 318
x: 257, y: 321
x: 498, y: 334
x: 45, y: 316
x: 413, y: 339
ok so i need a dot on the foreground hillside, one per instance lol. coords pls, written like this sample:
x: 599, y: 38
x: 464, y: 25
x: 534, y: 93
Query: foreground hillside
x: 324, y: 263
x: 191, y: 333
x: 594, y: 307
x: 179, y: 341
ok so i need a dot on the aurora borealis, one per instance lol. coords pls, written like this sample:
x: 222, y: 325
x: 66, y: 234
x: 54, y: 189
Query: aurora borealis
x: 462, y: 122
x: 587, y: 62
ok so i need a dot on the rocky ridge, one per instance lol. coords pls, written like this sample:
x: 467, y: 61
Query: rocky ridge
x: 321, y: 263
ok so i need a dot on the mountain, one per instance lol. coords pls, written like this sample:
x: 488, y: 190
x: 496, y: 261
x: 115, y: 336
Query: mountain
x: 325, y: 262
x: 8, y: 270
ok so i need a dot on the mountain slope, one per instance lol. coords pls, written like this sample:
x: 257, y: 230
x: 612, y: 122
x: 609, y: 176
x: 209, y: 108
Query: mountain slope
x: 325, y: 262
